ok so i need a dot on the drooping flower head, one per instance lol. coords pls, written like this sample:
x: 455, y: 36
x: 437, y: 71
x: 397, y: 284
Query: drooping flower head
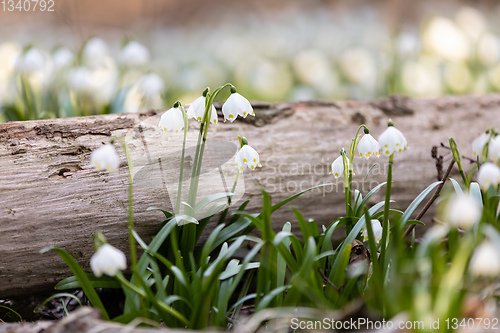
x: 376, y: 229
x: 479, y: 143
x: 134, y: 54
x: 464, y: 211
x: 197, y: 109
x: 392, y: 140
x: 488, y: 175
x: 105, y: 157
x: 486, y: 260
x: 368, y: 146
x: 172, y: 119
x: 247, y: 157
x: 494, y: 149
x: 107, y: 260
x: 236, y: 105
x: 338, y: 166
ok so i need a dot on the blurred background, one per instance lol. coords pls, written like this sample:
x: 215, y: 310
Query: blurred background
x: 81, y: 57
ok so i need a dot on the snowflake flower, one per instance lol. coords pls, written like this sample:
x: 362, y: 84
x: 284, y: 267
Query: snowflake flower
x: 376, y: 229
x: 247, y: 157
x: 172, y: 120
x: 197, y: 109
x: 392, y: 140
x: 368, y: 146
x: 464, y: 211
x: 236, y: 105
x: 108, y: 260
x: 488, y: 175
x: 338, y: 167
x: 105, y: 157
x: 485, y: 260
x: 479, y: 143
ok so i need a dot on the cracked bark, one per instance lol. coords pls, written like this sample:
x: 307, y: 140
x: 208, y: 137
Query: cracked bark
x: 50, y: 195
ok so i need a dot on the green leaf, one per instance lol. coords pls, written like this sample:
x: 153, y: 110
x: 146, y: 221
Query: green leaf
x: 414, y: 204
x: 82, y: 278
x: 168, y: 215
x: 266, y: 299
x: 208, y: 200
x: 367, y: 197
x: 456, y: 186
x: 233, y: 270
x: 97, y: 282
x: 287, y: 200
x: 475, y: 193
x: 38, y: 308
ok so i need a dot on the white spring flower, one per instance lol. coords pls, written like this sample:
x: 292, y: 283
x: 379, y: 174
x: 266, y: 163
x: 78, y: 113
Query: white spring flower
x: 392, y: 140
x: 80, y: 80
x: 62, y: 57
x: 151, y: 86
x: 464, y: 212
x: 488, y: 175
x: 32, y: 61
x: 479, y: 143
x: 247, y: 157
x: 105, y: 157
x: 95, y: 52
x: 338, y: 167
x: 485, y: 260
x: 107, y: 260
x: 172, y: 120
x: 368, y: 146
x: 197, y: 109
x: 236, y: 105
x: 494, y: 149
x: 376, y: 229
x: 134, y: 54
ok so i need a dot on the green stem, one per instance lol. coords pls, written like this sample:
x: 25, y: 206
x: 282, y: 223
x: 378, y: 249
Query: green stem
x: 179, y: 189
x: 385, y: 223
x: 224, y: 215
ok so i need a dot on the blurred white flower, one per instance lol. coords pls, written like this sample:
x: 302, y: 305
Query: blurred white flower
x: 494, y: 149
x: 443, y: 38
x: 32, y: 61
x: 105, y: 157
x: 197, y: 109
x: 377, y: 231
x: 457, y: 77
x: 62, y: 57
x: 151, y: 86
x: 471, y: 21
x: 94, y: 52
x: 172, y: 120
x: 488, y: 175
x: 407, y: 44
x: 80, y: 80
x: 488, y: 49
x: 247, y: 157
x: 236, y: 105
x: 107, y: 260
x: 392, y: 140
x: 368, y: 146
x: 421, y: 78
x: 134, y: 54
x: 314, y: 69
x: 358, y: 66
x: 479, y: 143
x: 485, y: 260
x: 338, y: 167
x: 464, y: 212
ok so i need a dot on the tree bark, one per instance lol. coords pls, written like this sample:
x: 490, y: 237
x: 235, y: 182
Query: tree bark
x: 50, y: 195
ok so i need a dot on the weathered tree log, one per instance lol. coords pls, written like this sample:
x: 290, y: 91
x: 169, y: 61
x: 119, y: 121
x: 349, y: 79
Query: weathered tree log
x: 50, y: 195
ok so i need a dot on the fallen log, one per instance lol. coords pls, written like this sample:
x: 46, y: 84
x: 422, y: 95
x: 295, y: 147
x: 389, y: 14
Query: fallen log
x: 50, y: 195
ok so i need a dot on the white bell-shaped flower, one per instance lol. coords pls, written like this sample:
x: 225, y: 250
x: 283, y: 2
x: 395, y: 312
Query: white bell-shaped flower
x: 338, y: 167
x: 464, y: 212
x: 486, y: 260
x: 197, y: 109
x: 488, y: 175
x: 107, y: 260
x: 62, y: 57
x: 368, y: 146
x: 95, y: 52
x: 494, y: 149
x: 392, y: 140
x: 151, y: 85
x: 236, y: 105
x: 32, y: 61
x: 377, y: 231
x: 479, y: 143
x: 247, y: 157
x: 105, y: 157
x: 134, y: 54
x: 172, y: 120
